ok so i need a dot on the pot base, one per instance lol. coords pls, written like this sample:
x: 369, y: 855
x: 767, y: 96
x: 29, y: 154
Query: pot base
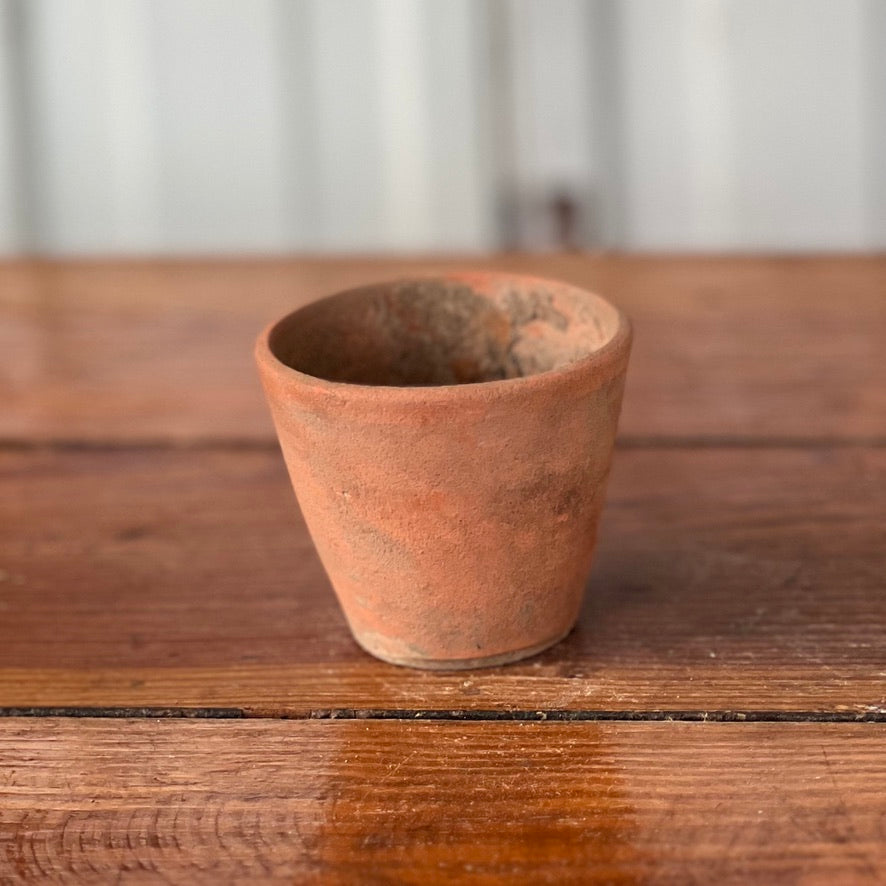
x: 463, y: 664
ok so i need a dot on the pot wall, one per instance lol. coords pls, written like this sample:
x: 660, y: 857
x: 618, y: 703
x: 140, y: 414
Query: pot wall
x: 457, y: 531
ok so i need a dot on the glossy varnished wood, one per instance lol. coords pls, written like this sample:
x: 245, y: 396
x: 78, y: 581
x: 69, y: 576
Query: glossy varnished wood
x: 153, y: 557
x: 393, y: 802
x: 788, y: 348
x: 726, y: 579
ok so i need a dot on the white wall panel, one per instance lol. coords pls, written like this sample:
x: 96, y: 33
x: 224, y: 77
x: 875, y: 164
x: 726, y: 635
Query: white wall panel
x: 556, y: 138
x: 403, y: 124
x: 659, y: 203
x: 874, y: 54
x: 454, y: 52
x: 73, y: 154
x: 745, y: 124
x: 178, y: 126
x: 343, y: 48
x: 130, y: 123
x: 220, y: 124
x: 12, y: 234
x: 800, y: 123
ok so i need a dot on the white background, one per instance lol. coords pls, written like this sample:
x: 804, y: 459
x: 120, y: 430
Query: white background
x: 174, y: 126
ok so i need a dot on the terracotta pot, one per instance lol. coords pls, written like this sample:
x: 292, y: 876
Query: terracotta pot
x: 449, y: 441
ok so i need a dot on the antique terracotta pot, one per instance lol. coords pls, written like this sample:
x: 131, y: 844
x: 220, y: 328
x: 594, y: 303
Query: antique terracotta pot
x: 449, y: 441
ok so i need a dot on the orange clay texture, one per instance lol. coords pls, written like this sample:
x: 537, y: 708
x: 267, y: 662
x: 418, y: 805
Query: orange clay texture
x: 449, y: 441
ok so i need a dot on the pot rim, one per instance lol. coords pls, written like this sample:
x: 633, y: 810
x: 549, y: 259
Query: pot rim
x: 602, y: 362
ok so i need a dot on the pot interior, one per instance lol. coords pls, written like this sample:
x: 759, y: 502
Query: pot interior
x: 444, y: 331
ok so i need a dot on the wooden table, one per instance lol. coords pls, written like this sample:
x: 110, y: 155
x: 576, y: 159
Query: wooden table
x: 183, y: 701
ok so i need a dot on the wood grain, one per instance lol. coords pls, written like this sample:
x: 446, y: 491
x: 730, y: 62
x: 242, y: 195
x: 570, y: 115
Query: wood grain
x: 153, y: 557
x: 726, y: 580
x: 373, y: 802
x: 725, y: 347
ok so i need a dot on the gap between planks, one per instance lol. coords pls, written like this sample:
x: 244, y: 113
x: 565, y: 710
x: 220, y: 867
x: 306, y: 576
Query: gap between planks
x: 463, y: 715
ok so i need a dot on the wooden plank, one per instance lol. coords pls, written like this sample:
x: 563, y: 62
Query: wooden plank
x: 725, y: 347
x: 726, y: 579
x: 382, y: 802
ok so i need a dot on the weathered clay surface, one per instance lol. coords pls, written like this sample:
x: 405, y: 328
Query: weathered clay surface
x: 449, y: 442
